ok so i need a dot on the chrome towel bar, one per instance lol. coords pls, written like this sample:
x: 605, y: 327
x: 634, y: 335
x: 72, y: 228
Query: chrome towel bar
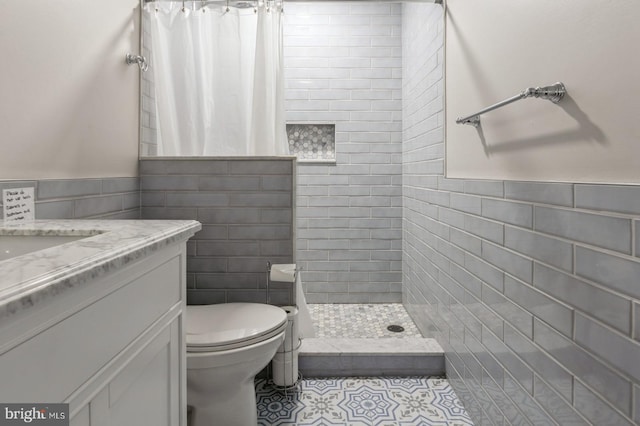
x: 553, y: 93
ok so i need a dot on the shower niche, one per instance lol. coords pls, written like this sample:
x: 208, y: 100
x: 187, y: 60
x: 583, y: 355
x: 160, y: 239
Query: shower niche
x: 312, y: 142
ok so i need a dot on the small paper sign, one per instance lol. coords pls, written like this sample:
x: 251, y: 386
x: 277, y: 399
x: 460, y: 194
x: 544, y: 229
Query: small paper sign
x: 18, y: 204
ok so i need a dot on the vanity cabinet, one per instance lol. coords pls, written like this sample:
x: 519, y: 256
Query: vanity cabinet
x: 113, y: 348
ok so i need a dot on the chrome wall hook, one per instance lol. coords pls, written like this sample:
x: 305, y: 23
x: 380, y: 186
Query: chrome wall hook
x: 137, y: 59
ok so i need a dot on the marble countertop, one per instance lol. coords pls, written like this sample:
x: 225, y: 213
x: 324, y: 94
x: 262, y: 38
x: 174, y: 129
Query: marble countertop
x: 35, y: 277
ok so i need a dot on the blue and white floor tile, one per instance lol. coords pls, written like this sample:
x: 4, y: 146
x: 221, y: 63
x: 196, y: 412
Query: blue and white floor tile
x: 358, y: 401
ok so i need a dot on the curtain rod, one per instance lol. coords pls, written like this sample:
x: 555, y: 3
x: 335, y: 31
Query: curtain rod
x: 319, y: 1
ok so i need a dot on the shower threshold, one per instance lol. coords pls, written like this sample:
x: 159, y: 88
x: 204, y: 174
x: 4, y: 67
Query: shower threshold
x: 354, y: 340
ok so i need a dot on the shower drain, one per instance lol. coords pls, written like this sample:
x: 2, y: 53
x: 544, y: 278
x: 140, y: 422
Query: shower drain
x: 396, y: 328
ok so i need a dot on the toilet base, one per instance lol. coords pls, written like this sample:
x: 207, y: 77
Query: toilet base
x: 233, y: 407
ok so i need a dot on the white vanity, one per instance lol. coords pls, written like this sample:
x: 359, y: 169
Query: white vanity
x: 95, y: 319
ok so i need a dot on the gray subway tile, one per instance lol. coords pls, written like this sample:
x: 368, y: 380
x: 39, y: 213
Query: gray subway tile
x: 490, y: 230
x: 637, y: 248
x: 452, y: 185
x: 621, y: 352
x: 66, y: 188
x: 261, y: 167
x: 466, y: 241
x: 259, y: 232
x: 518, y: 369
x: 55, y: 210
x: 169, y: 183
x: 636, y: 321
x: 508, y: 261
x: 617, y: 273
x: 168, y: 213
x: 273, y: 199
x: 512, y: 313
x: 467, y: 280
x: 611, y: 198
x: 93, y: 206
x: 113, y: 185
x: 607, y: 307
x: 231, y: 216
x: 223, y: 281
x: 636, y: 403
x: 131, y: 200
x: 509, y: 212
x: 540, y: 192
x: 595, y: 409
x: 229, y: 183
x: 277, y: 183
x: 465, y: 203
x: 196, y: 199
x: 585, y: 367
x: 540, y: 362
x: 183, y: 167
x: 556, y: 314
x: 486, y: 316
x: 204, y: 264
x: 526, y: 403
x: 152, y: 199
x: 558, y: 407
x: 211, y: 232
x: 276, y: 216
x: 227, y: 248
x: 484, y: 187
x: 205, y: 297
x: 540, y: 247
x: 486, y: 272
x: 609, y: 232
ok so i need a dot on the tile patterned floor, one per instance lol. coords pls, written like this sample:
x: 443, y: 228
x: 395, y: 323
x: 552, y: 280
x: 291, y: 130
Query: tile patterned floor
x: 358, y: 320
x: 372, y: 401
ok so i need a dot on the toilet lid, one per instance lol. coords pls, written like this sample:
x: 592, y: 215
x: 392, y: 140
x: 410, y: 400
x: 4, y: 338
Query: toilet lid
x: 229, y: 325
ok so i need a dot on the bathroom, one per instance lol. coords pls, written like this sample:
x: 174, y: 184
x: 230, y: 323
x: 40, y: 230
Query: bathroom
x: 527, y: 278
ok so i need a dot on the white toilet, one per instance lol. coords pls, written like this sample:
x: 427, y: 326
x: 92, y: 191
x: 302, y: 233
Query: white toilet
x: 227, y: 345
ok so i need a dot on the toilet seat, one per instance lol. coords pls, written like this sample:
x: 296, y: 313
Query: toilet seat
x: 215, y: 328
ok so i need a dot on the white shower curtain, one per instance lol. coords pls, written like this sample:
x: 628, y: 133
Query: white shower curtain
x: 219, y: 80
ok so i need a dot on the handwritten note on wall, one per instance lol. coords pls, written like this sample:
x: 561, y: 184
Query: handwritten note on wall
x: 18, y: 204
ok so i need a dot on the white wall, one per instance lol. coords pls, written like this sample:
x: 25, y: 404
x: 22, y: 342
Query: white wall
x: 69, y: 103
x: 496, y: 48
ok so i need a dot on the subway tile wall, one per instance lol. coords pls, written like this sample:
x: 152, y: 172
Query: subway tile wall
x: 343, y: 67
x: 245, y: 206
x: 531, y: 288
x: 106, y: 198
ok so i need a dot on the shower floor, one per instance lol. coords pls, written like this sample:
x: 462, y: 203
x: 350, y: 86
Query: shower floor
x: 361, y: 320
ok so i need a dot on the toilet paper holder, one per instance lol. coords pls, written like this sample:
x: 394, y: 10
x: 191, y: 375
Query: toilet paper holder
x: 291, y: 279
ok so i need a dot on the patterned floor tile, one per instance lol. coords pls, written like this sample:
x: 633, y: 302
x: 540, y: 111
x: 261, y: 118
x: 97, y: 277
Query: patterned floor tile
x: 361, y: 321
x: 370, y: 401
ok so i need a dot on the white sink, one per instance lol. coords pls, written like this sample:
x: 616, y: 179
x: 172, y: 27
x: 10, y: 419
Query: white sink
x: 17, y: 245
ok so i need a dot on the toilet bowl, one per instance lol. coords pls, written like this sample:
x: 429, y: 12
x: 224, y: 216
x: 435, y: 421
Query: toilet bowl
x: 227, y: 345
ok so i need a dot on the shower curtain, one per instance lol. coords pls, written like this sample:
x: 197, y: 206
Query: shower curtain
x: 218, y: 74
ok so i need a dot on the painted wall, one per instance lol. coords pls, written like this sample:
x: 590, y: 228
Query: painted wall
x: 342, y: 66
x: 497, y: 48
x: 69, y: 105
x: 530, y: 287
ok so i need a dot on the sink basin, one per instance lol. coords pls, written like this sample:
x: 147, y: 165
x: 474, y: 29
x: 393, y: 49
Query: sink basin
x: 17, y: 245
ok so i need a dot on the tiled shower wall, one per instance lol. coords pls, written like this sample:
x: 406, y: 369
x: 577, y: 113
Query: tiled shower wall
x: 245, y: 206
x: 343, y: 66
x: 532, y: 288
x: 107, y: 198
